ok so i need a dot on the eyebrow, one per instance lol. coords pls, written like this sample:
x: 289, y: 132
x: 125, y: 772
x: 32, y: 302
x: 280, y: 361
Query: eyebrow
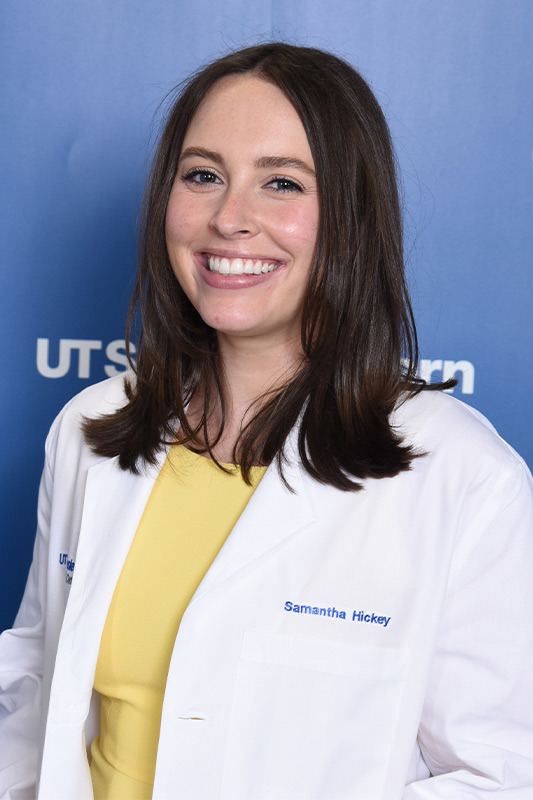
x: 280, y: 162
x: 265, y: 162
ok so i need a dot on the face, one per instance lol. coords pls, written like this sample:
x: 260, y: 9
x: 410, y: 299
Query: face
x: 242, y: 218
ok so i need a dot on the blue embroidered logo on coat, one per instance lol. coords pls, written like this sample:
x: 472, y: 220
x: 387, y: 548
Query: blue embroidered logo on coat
x: 69, y: 563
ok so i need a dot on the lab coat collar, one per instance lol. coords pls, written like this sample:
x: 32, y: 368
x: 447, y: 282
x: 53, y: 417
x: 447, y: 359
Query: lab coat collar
x: 273, y: 515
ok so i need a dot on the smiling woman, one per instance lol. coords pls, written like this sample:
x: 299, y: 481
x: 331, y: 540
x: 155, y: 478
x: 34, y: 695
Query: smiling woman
x: 273, y: 447
x: 248, y: 170
x: 236, y: 222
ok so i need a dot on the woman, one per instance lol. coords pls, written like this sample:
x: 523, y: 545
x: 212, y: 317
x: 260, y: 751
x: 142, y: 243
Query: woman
x: 362, y: 632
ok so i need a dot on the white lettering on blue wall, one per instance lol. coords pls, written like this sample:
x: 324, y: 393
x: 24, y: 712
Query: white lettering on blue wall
x: 84, y: 349
x: 438, y: 370
x: 116, y: 353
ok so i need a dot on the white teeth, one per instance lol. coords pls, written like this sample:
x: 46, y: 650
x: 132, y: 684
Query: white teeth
x: 239, y: 266
x: 236, y: 267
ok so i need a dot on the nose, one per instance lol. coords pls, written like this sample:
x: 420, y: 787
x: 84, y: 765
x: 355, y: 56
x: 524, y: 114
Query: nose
x: 234, y: 215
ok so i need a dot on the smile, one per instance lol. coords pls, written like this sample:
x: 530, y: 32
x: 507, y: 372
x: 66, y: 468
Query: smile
x: 240, y: 266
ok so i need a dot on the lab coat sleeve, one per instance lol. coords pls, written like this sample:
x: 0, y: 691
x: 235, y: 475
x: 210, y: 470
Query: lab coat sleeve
x: 21, y: 670
x: 476, y: 732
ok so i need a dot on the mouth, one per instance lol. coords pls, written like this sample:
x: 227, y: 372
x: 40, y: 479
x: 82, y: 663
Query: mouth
x: 241, y: 266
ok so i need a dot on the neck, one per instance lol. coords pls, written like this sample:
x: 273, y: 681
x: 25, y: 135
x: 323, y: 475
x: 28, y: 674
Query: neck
x: 251, y: 370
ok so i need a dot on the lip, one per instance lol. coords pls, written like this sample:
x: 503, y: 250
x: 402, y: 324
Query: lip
x: 217, y: 281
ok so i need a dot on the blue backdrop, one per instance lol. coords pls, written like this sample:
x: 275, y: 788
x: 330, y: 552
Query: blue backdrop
x: 80, y: 88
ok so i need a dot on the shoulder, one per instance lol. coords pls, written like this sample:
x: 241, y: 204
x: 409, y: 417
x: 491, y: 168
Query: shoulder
x: 100, y: 398
x: 437, y: 420
x: 467, y: 477
x: 457, y: 441
x: 94, y: 401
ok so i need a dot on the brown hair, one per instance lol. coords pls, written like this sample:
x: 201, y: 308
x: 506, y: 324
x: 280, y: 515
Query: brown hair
x: 357, y: 323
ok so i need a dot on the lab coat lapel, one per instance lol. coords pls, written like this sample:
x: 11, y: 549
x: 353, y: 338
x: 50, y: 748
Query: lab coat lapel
x: 114, y: 502
x: 113, y: 505
x: 271, y: 517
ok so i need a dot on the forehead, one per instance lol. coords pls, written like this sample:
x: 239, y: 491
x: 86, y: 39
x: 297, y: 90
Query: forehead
x: 251, y: 110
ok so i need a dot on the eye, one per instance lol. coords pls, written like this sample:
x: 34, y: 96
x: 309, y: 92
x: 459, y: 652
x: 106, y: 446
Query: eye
x: 201, y: 177
x: 285, y: 185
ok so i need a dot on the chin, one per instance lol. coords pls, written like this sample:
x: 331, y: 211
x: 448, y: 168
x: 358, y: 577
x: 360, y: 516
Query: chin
x: 236, y: 328
x: 233, y: 322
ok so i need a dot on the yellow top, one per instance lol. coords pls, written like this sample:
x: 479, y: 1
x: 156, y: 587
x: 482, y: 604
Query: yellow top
x: 191, y: 510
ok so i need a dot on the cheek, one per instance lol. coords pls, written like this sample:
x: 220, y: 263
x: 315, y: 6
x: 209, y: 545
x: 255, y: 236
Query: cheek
x: 181, y: 222
x: 179, y: 233
x: 300, y: 226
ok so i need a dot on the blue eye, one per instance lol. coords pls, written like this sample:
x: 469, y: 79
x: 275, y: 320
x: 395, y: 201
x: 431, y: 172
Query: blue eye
x: 285, y: 185
x: 201, y: 176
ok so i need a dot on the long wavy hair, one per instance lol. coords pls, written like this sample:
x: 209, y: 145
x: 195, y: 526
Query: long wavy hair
x: 358, y: 334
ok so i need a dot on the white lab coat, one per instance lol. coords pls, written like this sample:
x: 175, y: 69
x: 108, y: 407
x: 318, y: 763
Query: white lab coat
x: 420, y: 688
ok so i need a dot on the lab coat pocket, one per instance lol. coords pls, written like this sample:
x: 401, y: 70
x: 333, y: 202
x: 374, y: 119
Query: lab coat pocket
x: 311, y: 719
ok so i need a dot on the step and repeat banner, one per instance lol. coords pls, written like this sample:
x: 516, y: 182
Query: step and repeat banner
x: 81, y: 90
